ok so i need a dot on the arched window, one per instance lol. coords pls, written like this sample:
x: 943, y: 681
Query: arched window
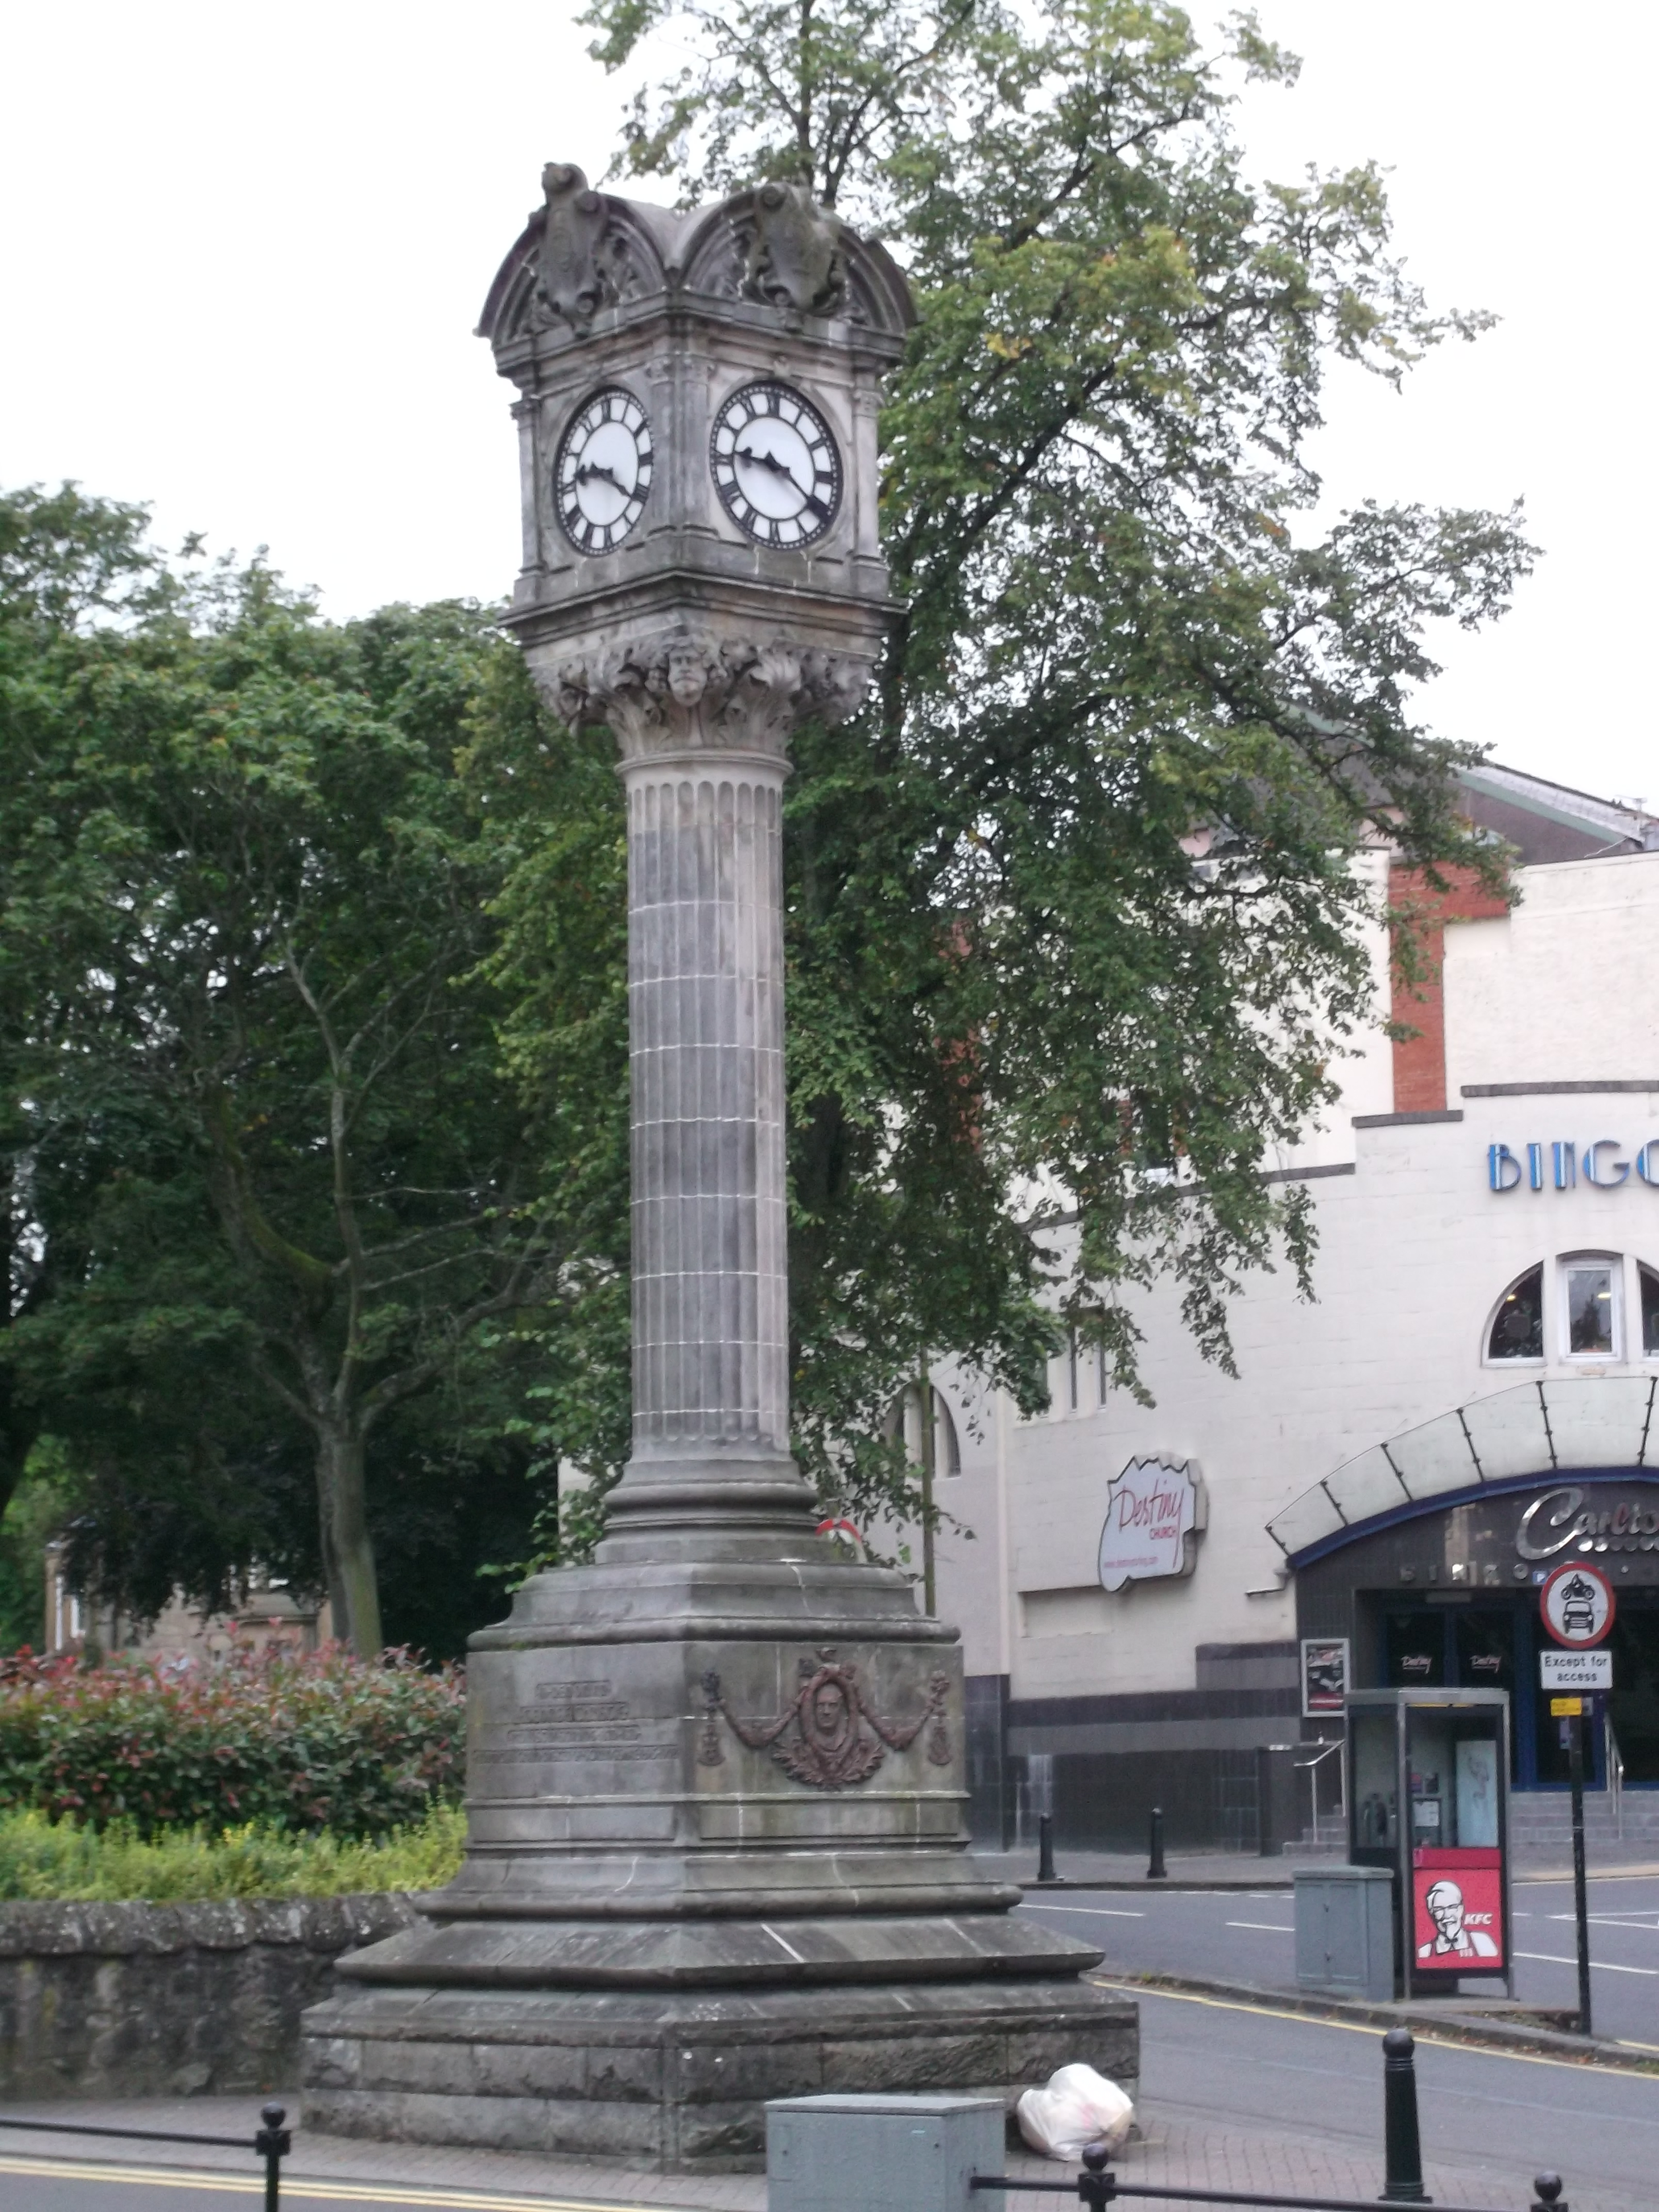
x: 905, y: 1418
x: 1517, y: 1327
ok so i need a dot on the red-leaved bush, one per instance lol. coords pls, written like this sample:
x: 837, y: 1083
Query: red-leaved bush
x: 326, y: 1741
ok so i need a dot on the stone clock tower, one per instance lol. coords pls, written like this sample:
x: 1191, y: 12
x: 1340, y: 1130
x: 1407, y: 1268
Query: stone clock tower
x: 715, y: 1787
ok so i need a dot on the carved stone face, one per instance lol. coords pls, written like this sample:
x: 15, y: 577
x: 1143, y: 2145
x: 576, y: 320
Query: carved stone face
x: 829, y: 1708
x: 688, y: 674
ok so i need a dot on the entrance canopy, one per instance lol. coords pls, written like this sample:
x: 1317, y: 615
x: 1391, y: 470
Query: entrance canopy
x: 1574, y: 1424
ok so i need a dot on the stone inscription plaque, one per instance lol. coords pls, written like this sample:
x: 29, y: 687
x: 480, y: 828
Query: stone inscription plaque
x: 582, y: 1718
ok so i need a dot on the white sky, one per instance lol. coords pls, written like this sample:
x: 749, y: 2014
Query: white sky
x: 244, y: 250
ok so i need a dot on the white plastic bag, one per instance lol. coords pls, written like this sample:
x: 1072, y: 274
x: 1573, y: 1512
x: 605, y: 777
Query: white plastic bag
x: 1075, y: 2107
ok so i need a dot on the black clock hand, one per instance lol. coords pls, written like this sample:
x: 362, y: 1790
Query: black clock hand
x: 782, y: 469
x: 598, y: 469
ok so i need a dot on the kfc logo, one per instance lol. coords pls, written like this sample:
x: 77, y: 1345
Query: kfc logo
x: 1455, y: 1925
x: 1458, y: 1917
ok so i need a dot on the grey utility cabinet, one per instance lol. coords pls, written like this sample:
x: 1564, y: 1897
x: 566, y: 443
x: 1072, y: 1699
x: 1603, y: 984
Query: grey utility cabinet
x: 873, y: 2153
x: 1344, y: 1931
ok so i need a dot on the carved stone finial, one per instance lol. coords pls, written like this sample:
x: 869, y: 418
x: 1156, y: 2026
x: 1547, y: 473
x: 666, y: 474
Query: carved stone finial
x: 688, y: 691
x: 796, y: 260
x: 568, y: 277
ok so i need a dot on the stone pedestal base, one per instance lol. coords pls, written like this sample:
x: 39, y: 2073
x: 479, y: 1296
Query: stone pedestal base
x: 677, y: 2080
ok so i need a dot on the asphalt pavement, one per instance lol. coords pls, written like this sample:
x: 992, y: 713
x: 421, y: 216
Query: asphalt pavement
x: 1253, y: 2083
x: 1248, y: 1937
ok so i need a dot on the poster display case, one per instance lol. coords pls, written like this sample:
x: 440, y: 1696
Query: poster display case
x: 1428, y: 1798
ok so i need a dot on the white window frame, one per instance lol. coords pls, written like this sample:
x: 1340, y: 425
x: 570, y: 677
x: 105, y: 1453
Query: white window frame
x: 1615, y: 1264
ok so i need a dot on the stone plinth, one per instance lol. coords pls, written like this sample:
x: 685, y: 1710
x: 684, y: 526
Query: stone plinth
x: 678, y: 2082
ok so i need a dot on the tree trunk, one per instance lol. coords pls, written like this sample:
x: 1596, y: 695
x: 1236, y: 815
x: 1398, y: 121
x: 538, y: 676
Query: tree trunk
x: 347, y: 1554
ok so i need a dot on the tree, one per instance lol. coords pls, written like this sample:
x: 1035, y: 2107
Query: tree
x: 1074, y: 915
x: 257, y: 1094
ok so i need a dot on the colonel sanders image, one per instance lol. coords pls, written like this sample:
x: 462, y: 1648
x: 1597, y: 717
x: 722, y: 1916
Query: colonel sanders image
x: 1444, y: 1904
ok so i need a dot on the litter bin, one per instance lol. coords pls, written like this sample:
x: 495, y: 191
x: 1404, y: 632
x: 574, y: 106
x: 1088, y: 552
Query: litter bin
x: 1428, y: 1793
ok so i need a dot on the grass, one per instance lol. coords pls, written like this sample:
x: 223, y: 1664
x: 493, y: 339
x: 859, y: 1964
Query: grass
x: 43, y: 1858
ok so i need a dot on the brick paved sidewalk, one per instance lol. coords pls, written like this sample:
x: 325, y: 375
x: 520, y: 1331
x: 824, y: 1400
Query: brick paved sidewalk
x: 1178, y: 2148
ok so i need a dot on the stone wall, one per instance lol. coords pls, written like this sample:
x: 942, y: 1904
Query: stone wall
x: 134, y: 2000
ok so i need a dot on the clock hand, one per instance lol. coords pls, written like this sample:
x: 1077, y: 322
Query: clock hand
x: 782, y: 469
x: 598, y: 469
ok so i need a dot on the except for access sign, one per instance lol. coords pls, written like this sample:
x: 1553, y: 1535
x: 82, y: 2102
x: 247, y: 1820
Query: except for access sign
x: 1575, y: 1670
x: 1577, y: 1605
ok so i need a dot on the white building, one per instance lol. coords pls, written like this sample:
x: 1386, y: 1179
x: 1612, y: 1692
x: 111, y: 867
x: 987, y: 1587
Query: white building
x: 1398, y: 1461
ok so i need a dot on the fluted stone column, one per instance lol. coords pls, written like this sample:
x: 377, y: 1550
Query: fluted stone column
x: 703, y: 729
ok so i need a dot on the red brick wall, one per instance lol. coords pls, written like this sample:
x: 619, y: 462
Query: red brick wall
x: 1419, y: 1062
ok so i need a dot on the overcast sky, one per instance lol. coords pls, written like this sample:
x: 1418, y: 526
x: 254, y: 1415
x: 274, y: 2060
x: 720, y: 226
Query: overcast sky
x: 244, y: 250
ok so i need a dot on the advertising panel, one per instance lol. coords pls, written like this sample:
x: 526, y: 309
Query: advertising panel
x: 1324, y: 1676
x: 1458, y: 1910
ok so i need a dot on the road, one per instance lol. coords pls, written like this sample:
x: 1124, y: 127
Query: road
x: 1490, y: 2122
x: 1248, y: 1935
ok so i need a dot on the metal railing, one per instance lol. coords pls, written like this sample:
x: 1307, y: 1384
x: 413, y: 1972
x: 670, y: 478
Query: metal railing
x: 1402, y: 2152
x: 1310, y: 1767
x: 1614, y: 1761
x: 272, y: 2142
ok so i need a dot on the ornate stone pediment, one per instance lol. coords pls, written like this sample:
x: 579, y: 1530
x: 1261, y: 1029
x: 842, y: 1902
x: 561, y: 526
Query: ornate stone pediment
x: 585, y: 251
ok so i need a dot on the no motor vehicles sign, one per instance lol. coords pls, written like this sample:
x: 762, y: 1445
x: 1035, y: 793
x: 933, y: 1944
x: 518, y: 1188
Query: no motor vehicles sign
x: 1576, y: 1605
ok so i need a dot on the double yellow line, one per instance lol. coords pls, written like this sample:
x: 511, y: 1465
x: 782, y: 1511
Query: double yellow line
x: 307, y: 2186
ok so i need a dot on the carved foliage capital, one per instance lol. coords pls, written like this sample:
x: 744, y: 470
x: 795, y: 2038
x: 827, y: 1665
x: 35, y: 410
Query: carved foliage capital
x: 689, y: 691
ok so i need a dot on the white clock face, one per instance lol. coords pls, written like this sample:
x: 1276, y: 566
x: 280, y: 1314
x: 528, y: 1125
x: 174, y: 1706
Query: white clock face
x: 775, y: 465
x: 602, y: 477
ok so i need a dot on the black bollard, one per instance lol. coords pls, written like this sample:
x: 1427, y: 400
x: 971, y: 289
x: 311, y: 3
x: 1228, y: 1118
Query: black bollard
x: 1403, y: 2150
x: 1045, y: 1847
x: 1156, y: 1869
x: 1097, y: 2185
x: 273, y: 2143
x: 1550, y: 2198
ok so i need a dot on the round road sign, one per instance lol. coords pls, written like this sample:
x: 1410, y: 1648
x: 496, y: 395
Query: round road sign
x: 1576, y: 1603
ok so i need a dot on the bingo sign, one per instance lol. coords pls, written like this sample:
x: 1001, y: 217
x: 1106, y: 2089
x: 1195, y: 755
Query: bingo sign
x: 1152, y: 1509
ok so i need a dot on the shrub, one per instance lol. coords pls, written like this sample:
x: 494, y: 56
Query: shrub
x: 45, y: 1858
x: 324, y: 1742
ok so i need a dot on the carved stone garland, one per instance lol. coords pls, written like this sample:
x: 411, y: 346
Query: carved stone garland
x: 827, y: 1735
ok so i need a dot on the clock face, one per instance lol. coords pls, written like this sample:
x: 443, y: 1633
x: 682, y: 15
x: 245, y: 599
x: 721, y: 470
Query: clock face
x: 775, y: 465
x: 602, y: 477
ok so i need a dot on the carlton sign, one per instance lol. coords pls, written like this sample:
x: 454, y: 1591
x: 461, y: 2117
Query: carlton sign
x: 1154, y: 1508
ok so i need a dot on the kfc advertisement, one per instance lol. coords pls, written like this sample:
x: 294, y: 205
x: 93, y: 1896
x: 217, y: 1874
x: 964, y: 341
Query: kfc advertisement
x: 1457, y: 1900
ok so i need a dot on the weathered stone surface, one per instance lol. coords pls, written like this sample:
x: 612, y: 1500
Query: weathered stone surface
x: 682, y: 2081
x: 133, y: 2000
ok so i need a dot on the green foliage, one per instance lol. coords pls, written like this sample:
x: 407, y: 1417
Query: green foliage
x: 33, y: 1516
x: 281, y: 1230
x: 44, y: 1858
x: 1078, y: 907
x: 326, y: 1741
